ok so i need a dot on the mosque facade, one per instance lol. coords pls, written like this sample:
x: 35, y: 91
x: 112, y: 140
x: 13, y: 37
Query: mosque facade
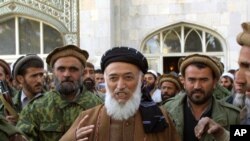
x: 164, y: 30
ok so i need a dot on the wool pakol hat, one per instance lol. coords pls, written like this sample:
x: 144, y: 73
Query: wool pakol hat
x: 212, y: 62
x: 124, y: 54
x: 5, y: 66
x: 243, y: 38
x: 24, y: 60
x: 170, y: 78
x: 68, y: 50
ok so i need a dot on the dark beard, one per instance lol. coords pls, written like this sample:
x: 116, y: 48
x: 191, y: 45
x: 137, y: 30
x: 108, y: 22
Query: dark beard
x: 166, y: 96
x: 230, y: 88
x: 149, y: 87
x: 67, y: 87
x: 201, y: 101
x: 89, y: 84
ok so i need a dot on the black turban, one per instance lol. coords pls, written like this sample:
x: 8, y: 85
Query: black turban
x: 124, y: 54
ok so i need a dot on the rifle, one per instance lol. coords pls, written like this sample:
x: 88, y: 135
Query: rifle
x: 7, y: 99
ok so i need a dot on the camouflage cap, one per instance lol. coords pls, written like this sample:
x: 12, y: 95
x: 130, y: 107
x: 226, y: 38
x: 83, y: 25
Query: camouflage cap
x: 211, y: 62
x: 5, y: 66
x: 243, y: 38
x: 68, y: 50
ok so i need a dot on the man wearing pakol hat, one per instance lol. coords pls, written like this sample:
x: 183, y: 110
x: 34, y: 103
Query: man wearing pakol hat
x: 227, y: 81
x: 5, y: 73
x: 129, y: 114
x: 5, y: 76
x: 50, y: 116
x: 243, y: 40
x: 28, y: 72
x: 170, y: 86
x: 197, y: 113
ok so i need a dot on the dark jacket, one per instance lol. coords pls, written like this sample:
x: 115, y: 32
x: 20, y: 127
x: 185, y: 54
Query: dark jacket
x: 223, y: 113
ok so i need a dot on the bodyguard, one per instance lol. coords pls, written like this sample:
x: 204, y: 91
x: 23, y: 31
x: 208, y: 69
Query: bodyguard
x: 198, y: 105
x: 50, y: 116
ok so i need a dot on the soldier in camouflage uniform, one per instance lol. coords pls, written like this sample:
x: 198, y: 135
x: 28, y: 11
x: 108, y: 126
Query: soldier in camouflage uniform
x: 28, y: 72
x: 50, y: 116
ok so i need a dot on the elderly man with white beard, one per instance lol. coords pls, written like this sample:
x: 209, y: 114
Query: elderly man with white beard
x: 129, y: 114
x: 244, y: 63
x: 209, y: 125
x: 240, y: 89
x: 245, y: 113
x: 238, y: 97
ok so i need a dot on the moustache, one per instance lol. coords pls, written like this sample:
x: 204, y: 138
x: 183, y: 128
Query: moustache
x: 121, y: 92
x: 39, y: 85
x: 66, y: 81
x: 197, y: 91
x: 88, y: 81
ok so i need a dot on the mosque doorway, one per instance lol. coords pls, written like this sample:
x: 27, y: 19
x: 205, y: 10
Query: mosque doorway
x: 170, y: 64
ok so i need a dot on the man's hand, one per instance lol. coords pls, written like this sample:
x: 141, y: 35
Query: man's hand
x: 82, y: 132
x: 207, y: 125
x: 12, y: 119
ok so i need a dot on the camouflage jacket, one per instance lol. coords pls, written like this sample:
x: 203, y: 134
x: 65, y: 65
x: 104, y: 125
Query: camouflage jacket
x: 220, y: 92
x: 50, y: 116
x: 17, y: 104
x: 223, y: 113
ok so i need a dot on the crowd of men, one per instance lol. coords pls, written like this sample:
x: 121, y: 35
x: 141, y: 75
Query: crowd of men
x: 124, y: 100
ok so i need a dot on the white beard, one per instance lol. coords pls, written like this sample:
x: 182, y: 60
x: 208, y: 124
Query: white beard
x: 239, y: 100
x: 119, y: 111
x: 247, y: 104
